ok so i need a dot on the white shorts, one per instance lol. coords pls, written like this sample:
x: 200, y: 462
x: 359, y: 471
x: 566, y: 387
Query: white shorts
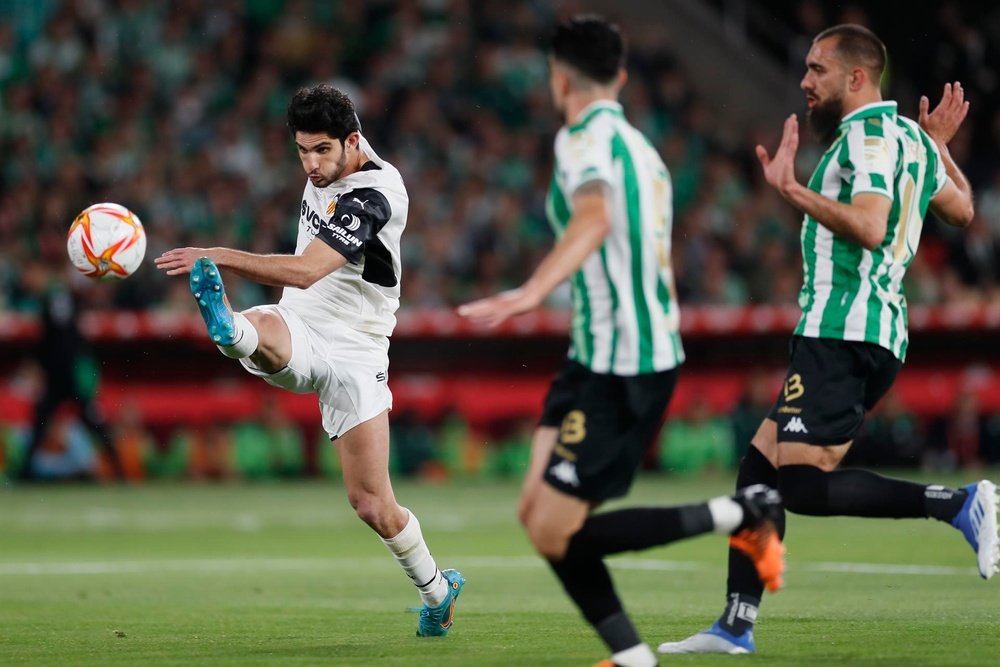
x: 347, y: 369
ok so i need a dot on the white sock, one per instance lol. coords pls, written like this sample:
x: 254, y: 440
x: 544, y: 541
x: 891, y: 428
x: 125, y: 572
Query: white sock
x: 639, y: 655
x: 727, y: 514
x: 415, y: 558
x: 245, y: 339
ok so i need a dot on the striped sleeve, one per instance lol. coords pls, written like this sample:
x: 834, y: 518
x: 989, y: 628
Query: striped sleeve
x: 939, y: 177
x: 873, y: 158
x: 584, y: 156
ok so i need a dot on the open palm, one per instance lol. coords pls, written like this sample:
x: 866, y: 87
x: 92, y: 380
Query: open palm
x: 779, y: 171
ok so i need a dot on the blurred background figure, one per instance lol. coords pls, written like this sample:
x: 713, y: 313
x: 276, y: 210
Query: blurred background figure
x: 751, y: 409
x: 269, y: 447
x: 133, y: 444
x: 697, y: 442
x: 69, y: 375
x: 64, y: 452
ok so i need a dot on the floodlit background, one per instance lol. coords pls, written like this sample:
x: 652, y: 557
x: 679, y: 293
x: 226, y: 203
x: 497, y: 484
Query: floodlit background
x: 176, y: 110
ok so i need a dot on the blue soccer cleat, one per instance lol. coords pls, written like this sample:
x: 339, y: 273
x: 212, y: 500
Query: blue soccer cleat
x: 436, y: 621
x: 210, y: 293
x: 713, y: 640
x: 978, y: 522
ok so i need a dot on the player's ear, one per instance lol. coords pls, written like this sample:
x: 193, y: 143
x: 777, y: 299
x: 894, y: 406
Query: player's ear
x: 621, y: 79
x: 351, y: 142
x: 857, y: 79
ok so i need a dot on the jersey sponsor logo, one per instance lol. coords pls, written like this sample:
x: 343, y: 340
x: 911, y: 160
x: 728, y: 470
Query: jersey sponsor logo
x: 353, y: 222
x: 876, y: 155
x: 795, y: 425
x: 342, y: 233
x: 565, y: 472
x: 787, y: 410
x: 310, y: 219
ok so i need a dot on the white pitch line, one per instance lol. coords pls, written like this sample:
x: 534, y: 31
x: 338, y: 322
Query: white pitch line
x: 205, y: 565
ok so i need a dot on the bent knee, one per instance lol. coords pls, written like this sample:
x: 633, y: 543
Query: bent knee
x: 550, y: 542
x: 264, y: 321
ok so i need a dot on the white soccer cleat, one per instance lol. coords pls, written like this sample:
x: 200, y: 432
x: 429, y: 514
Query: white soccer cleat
x: 978, y: 522
x: 713, y: 640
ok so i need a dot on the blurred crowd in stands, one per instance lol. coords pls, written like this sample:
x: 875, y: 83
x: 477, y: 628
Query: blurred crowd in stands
x: 176, y: 110
x: 271, y: 447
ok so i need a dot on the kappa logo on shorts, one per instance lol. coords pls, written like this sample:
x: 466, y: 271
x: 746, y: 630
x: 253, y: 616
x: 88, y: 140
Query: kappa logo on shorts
x: 565, y: 472
x: 795, y: 425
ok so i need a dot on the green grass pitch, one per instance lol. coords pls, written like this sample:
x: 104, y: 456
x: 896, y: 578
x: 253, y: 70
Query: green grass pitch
x: 286, y: 575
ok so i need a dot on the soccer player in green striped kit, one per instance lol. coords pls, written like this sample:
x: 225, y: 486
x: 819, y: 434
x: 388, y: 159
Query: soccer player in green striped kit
x: 610, y: 206
x: 864, y: 208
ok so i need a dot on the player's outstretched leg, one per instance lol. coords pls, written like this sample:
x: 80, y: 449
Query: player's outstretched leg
x: 231, y: 332
x: 978, y: 522
x: 757, y: 539
x: 436, y: 621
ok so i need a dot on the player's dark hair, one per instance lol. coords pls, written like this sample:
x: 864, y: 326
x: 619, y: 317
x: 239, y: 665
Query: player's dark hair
x: 591, y: 45
x: 322, y: 109
x: 858, y: 45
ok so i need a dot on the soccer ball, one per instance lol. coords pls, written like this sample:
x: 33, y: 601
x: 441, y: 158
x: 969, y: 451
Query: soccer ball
x: 106, y: 241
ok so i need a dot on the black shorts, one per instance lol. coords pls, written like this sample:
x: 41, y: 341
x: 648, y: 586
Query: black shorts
x: 606, y: 424
x: 829, y: 386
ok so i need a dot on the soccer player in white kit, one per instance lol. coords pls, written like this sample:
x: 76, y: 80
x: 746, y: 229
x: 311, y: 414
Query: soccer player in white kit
x: 329, y: 333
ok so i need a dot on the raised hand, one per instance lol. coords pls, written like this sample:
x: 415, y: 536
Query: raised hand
x: 779, y: 171
x: 180, y: 260
x: 943, y: 122
x: 493, y: 310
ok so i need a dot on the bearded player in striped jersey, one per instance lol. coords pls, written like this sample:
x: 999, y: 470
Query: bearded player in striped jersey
x: 329, y: 333
x: 864, y: 208
x: 610, y: 207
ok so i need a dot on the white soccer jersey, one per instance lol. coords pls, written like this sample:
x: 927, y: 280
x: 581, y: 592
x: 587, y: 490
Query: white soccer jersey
x: 362, y: 216
x: 625, y: 313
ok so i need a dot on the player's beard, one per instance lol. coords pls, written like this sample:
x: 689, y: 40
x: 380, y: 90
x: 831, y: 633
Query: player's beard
x: 341, y: 166
x: 337, y: 173
x: 824, y: 118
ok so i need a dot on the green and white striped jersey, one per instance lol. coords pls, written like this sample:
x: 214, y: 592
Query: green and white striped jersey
x: 625, y: 313
x: 848, y: 292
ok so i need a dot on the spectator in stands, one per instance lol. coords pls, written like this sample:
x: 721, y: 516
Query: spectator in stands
x: 751, y: 409
x: 211, y: 452
x: 269, y: 447
x: 64, y: 453
x: 965, y: 431
x: 133, y: 444
x: 893, y: 436
x: 698, y: 442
